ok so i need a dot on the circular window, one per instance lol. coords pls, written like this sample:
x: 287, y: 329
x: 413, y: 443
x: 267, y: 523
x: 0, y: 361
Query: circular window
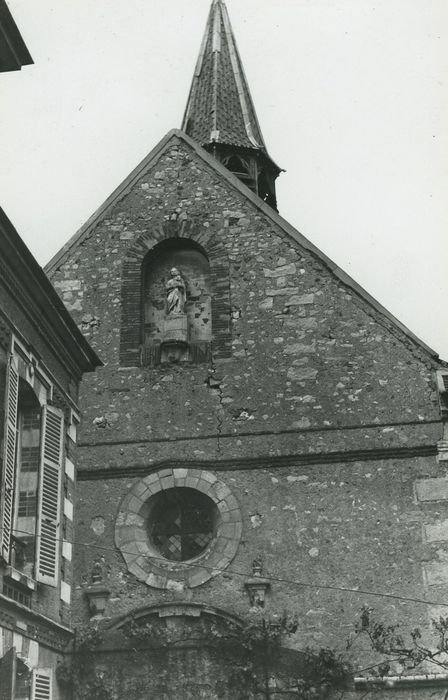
x: 177, y: 528
x: 182, y: 522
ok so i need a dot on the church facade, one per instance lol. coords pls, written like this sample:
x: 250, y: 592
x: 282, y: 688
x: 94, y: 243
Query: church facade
x: 260, y: 455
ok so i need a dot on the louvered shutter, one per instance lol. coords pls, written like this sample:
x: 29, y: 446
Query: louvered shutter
x: 9, y: 459
x: 8, y: 675
x: 41, y: 688
x: 47, y: 559
x: 442, y: 381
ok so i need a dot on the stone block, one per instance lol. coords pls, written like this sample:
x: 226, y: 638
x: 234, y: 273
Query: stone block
x: 220, y: 491
x: 432, y: 489
x: 206, y: 476
x: 156, y: 581
x: 301, y: 374
x: 281, y: 271
x: 299, y: 348
x: 283, y: 291
x: 228, y: 530
x: 232, y: 503
x: 164, y: 472
x: 168, y: 482
x: 134, y: 504
x: 438, y: 532
x: 436, y: 573
x: 304, y: 299
x: 180, y: 473
x: 198, y: 578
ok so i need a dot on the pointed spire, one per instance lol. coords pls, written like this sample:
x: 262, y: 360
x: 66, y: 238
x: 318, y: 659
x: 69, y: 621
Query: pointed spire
x: 220, y: 114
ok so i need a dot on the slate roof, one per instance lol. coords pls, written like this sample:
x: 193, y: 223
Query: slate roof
x: 13, y: 51
x: 220, y: 107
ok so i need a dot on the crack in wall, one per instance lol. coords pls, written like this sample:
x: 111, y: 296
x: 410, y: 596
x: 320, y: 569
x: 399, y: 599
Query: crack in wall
x: 214, y: 385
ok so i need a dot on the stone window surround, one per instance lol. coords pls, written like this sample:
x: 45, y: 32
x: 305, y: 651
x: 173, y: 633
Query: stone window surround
x: 141, y: 557
x: 131, y: 286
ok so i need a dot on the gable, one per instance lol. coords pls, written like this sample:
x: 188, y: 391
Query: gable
x: 295, y: 348
x: 244, y: 196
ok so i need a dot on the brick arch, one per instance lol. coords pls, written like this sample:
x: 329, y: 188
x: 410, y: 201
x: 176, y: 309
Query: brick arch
x: 132, y: 288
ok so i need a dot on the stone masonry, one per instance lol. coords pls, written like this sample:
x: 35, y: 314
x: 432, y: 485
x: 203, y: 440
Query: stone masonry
x: 317, y: 412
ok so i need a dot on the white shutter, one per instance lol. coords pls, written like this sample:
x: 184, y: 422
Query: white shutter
x: 9, y: 459
x: 49, y: 499
x: 41, y: 688
x: 442, y: 381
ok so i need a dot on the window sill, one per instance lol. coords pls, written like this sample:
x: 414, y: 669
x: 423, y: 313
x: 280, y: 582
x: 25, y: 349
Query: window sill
x: 19, y: 577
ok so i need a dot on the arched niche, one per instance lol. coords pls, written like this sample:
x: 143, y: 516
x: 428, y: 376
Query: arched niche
x: 188, y: 340
x: 133, y: 351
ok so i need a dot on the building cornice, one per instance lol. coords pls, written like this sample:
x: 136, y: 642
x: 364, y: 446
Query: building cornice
x: 33, y: 625
x: 25, y: 280
x: 260, y: 462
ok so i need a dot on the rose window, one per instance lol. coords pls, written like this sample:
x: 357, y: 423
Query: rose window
x: 182, y: 523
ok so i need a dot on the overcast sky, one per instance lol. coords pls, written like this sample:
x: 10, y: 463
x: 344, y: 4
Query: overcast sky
x: 351, y: 96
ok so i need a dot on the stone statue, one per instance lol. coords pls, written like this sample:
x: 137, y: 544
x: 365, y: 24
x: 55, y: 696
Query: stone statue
x: 175, y: 292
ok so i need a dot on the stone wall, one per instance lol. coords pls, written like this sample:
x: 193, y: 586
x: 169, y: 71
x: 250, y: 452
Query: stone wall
x: 321, y: 416
x: 315, y: 527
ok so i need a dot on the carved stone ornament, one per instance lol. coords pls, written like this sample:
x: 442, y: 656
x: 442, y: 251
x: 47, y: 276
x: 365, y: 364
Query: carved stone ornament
x: 97, y: 593
x: 174, y: 346
x: 175, y: 293
x: 257, y: 586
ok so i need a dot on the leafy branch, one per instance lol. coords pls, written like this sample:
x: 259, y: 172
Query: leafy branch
x: 410, y: 651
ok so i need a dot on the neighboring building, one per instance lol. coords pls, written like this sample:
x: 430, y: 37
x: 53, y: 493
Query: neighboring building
x: 262, y: 438
x: 42, y: 358
x: 13, y: 51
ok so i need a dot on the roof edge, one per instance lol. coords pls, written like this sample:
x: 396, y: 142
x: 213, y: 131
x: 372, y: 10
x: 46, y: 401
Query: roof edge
x: 110, y: 201
x: 122, y: 189
x: 24, y: 265
x: 13, y: 38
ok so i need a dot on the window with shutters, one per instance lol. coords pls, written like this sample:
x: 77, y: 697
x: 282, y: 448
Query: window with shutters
x: 32, y: 469
x: 26, y: 480
x: 442, y: 385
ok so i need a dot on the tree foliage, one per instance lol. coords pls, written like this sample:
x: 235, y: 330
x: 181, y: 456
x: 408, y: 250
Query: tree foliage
x: 403, y: 652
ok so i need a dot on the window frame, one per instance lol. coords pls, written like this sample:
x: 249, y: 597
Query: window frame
x: 50, y: 469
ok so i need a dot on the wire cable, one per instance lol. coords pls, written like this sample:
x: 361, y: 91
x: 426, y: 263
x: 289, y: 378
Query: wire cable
x: 277, y: 579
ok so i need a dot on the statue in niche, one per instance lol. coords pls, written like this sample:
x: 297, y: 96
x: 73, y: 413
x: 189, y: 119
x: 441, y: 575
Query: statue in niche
x: 175, y: 293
